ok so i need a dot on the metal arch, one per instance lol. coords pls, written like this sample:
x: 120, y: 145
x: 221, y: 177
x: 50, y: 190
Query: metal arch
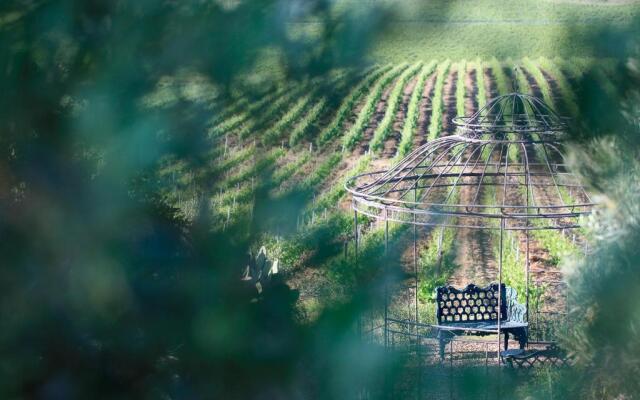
x: 517, y: 123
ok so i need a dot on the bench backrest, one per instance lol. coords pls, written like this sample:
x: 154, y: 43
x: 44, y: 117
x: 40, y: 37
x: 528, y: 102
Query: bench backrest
x: 470, y: 305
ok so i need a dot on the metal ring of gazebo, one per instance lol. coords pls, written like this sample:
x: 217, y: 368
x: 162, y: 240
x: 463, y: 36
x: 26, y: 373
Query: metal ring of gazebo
x: 503, y: 170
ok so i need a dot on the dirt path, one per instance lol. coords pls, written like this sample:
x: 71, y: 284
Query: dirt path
x: 449, y: 97
x: 391, y: 144
x: 424, y: 117
x: 490, y: 86
x: 474, y: 251
x: 470, y: 92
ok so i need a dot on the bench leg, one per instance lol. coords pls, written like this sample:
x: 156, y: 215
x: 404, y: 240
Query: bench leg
x: 506, y: 340
x: 523, y: 338
x: 443, y: 339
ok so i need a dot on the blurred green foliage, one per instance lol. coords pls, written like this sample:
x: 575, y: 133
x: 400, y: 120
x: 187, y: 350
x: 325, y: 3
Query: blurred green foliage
x: 110, y: 291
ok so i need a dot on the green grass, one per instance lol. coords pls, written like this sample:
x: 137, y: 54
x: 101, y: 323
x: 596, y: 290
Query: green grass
x: 509, y: 11
x: 275, y: 132
x: 436, y: 266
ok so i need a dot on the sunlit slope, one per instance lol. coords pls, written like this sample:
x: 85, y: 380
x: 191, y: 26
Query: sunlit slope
x: 280, y: 160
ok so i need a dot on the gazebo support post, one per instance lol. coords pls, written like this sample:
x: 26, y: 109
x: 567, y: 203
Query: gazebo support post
x: 355, y: 230
x: 415, y: 256
x: 355, y: 242
x: 415, y: 267
x: 415, y: 270
x: 385, y: 277
x: 500, y: 286
x: 440, y: 240
x: 526, y: 262
x: 526, y: 277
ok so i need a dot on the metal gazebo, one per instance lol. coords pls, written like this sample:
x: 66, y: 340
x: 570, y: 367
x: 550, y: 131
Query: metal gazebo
x: 503, y: 170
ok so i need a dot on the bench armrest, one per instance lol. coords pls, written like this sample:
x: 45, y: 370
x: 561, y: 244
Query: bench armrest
x: 516, y: 312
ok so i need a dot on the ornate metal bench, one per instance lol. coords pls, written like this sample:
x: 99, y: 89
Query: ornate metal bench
x: 474, y: 310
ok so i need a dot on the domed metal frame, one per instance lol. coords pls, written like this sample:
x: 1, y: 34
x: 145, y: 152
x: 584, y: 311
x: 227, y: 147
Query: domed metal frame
x: 511, y: 148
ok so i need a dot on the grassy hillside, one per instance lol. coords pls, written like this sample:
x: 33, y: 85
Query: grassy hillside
x: 422, y: 30
x: 289, y: 194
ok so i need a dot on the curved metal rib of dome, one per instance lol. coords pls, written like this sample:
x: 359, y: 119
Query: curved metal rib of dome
x: 485, y: 175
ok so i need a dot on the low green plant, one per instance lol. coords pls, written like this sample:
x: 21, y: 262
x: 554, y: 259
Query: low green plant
x: 386, y: 124
x: 437, y: 258
x: 354, y: 134
x: 413, y: 112
x: 503, y: 83
x: 482, y: 92
x: 460, y: 88
x: 302, y: 128
x: 272, y: 134
x: 240, y: 112
x: 260, y: 164
x: 346, y: 107
x: 556, y: 244
x: 566, y: 92
x: 330, y: 198
x: 437, y: 104
x: 540, y: 79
